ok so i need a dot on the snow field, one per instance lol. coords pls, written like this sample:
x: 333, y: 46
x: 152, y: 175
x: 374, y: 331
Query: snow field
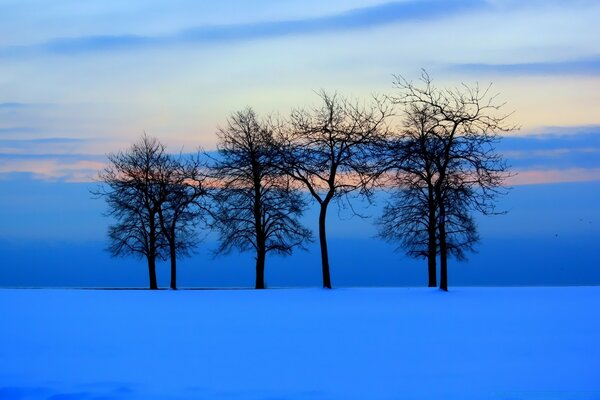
x: 363, y: 343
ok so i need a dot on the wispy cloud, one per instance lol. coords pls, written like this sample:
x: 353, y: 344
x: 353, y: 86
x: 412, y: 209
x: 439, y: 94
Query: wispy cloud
x: 43, y: 146
x: 13, y: 105
x: 541, y: 176
x: 553, y: 148
x: 56, y: 140
x: 25, y: 143
x: 6, y: 158
x: 52, y: 167
x: 360, y: 18
x: 582, y: 66
x: 18, y: 130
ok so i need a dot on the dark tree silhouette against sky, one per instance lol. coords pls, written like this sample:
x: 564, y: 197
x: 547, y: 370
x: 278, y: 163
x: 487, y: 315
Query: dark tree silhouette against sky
x: 256, y: 207
x: 450, y: 163
x: 183, y: 199
x: 326, y: 149
x: 153, y: 198
x: 130, y: 188
x: 410, y: 216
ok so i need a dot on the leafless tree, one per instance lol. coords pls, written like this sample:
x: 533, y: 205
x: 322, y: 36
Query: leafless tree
x: 150, y: 194
x: 407, y: 160
x: 327, y: 150
x: 410, y: 219
x: 447, y: 164
x: 183, y: 205
x: 130, y: 190
x: 257, y: 209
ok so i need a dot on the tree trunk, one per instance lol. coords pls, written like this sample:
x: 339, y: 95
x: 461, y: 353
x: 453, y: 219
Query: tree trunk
x: 443, y: 250
x: 260, y: 268
x: 432, y: 243
x: 323, y: 243
x: 152, y: 251
x: 152, y: 271
x: 173, y: 254
x: 432, y: 268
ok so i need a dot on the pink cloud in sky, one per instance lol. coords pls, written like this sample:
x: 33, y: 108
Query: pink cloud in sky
x: 534, y: 177
x: 86, y: 171
x: 53, y: 170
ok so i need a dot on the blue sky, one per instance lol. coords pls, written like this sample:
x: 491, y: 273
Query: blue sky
x: 90, y: 77
x: 80, y: 79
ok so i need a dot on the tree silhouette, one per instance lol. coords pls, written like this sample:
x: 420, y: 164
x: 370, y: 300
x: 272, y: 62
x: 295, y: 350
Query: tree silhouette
x: 446, y: 166
x: 182, y: 205
x: 130, y: 190
x: 327, y: 150
x: 257, y: 209
x: 410, y: 219
x: 150, y: 194
x: 410, y: 216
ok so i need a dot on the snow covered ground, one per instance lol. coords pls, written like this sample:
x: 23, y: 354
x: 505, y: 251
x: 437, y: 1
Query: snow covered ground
x: 376, y: 343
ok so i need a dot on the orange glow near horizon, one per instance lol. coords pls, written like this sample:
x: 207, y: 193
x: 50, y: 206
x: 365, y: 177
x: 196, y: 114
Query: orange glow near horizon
x: 549, y: 176
x: 83, y: 171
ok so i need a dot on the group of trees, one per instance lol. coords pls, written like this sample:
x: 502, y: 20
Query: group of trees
x: 439, y: 165
x: 157, y: 201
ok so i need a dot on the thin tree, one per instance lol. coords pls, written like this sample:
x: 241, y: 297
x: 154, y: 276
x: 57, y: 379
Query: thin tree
x: 327, y: 150
x: 468, y: 173
x: 182, y: 205
x: 257, y: 209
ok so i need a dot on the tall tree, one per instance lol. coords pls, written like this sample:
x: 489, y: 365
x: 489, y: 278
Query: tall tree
x: 257, y: 209
x: 327, y: 150
x: 466, y: 173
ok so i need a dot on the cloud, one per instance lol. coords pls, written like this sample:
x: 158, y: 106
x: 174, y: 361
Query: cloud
x: 542, y: 176
x: 553, y: 148
x: 581, y: 66
x: 552, y: 154
x: 52, y: 167
x: 46, y: 140
x: 13, y: 105
x: 18, y: 130
x: 44, y: 147
x: 359, y: 18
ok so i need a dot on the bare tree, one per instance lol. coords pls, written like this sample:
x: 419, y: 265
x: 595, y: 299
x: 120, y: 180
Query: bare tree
x: 153, y: 197
x: 458, y: 165
x: 327, y: 150
x: 131, y: 191
x: 461, y: 230
x: 182, y: 202
x: 410, y: 217
x: 257, y: 209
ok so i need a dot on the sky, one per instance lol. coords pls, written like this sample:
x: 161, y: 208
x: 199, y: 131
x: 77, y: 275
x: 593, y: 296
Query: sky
x: 81, y: 79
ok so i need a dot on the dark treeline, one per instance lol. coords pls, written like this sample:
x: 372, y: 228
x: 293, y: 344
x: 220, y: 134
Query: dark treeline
x: 432, y: 149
